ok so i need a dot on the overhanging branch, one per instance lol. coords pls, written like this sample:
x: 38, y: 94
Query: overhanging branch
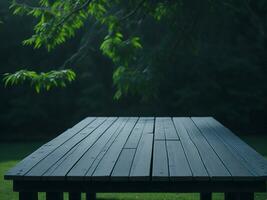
x: 74, y: 11
x: 140, y: 4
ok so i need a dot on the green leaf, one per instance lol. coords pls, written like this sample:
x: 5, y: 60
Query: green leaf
x: 43, y: 80
x: 117, y: 95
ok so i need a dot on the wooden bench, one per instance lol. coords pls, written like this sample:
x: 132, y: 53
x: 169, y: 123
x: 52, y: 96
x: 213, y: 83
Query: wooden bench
x: 146, y: 154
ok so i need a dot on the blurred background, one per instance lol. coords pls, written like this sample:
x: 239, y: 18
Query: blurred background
x: 218, y: 68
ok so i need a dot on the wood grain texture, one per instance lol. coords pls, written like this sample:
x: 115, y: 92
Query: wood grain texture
x: 212, y: 162
x: 179, y: 168
x: 97, y: 128
x: 86, y: 161
x: 192, y: 154
x: 105, y: 166
x: 93, y: 143
x: 122, y: 168
x: 144, y: 150
x: 160, y: 170
x: 256, y: 163
x: 142, y: 160
x: 30, y: 161
x: 231, y: 162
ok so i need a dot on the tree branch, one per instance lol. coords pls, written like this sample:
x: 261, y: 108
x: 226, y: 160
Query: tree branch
x: 140, y: 4
x: 46, y: 9
x: 76, y: 55
x: 255, y: 17
x: 74, y: 11
x: 81, y: 52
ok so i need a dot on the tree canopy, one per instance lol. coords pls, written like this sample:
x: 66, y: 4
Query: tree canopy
x: 174, y: 24
x: 156, y: 57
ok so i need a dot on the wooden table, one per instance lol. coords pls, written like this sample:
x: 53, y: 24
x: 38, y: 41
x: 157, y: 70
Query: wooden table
x: 146, y: 154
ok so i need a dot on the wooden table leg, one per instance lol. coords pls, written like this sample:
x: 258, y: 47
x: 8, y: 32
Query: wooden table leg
x: 74, y: 196
x: 239, y: 196
x: 54, y: 196
x: 28, y: 196
x: 247, y: 196
x: 206, y: 196
x: 231, y: 196
x: 90, y: 196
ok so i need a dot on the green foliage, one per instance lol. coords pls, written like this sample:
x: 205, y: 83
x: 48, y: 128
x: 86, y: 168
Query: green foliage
x: 160, y: 11
x: 129, y: 80
x: 110, y: 45
x: 198, y: 58
x: 59, y: 20
x: 41, y: 81
x: 124, y: 54
x: 120, y: 51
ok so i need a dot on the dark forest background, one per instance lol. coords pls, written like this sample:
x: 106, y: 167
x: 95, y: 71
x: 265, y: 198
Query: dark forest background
x: 216, y: 67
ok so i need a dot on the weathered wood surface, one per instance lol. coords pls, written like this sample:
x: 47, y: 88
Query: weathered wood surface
x: 143, y: 149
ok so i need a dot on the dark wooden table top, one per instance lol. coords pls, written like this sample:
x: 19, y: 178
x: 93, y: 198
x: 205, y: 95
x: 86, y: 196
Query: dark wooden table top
x: 143, y: 149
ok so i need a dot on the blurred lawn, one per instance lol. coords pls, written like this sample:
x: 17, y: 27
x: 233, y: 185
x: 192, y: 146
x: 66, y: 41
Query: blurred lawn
x: 11, y: 153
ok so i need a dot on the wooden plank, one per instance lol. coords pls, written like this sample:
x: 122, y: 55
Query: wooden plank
x: 140, y: 169
x: 164, y: 129
x: 97, y: 129
x: 135, y: 136
x: 159, y: 129
x: 233, y: 150
x: 27, y: 163
x: 235, y: 167
x: 85, y: 162
x: 256, y: 163
x: 89, y: 144
x: 97, y: 160
x: 104, y: 168
x: 212, y: 162
x: 149, y: 126
x: 179, y: 168
x: 160, y: 169
x: 122, y: 168
x: 47, y: 174
x: 169, y: 129
x: 195, y: 162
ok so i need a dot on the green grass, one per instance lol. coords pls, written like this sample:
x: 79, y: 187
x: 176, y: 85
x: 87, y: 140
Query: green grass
x: 11, y: 153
